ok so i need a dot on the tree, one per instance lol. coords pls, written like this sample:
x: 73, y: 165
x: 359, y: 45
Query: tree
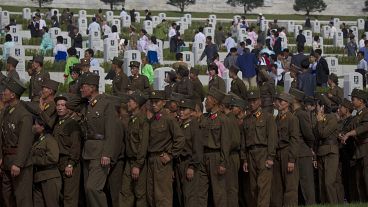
x: 310, y: 6
x: 113, y: 3
x: 248, y: 5
x: 42, y: 2
x: 181, y: 4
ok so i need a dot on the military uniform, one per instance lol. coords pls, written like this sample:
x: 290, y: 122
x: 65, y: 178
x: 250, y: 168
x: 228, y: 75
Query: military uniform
x: 120, y: 84
x: 12, y: 73
x: 165, y: 137
x: 198, y: 92
x: 37, y: 79
x: 140, y: 83
x: 74, y: 86
x: 336, y: 92
x: 16, y: 142
x: 285, y: 184
x: 47, y: 180
x: 259, y: 140
x: 215, y: 132
x: 185, y: 87
x: 100, y: 139
x: 238, y: 88
x: 217, y: 82
x: 178, y: 64
x: 68, y: 134
x: 268, y: 92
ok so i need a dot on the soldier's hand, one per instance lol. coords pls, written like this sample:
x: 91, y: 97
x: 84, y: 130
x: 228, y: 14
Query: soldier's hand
x: 269, y: 163
x: 190, y: 174
x: 165, y: 158
x: 105, y: 161
x: 68, y: 170
x: 14, y: 171
x: 245, y: 167
x: 135, y: 173
x: 221, y: 170
x: 291, y: 167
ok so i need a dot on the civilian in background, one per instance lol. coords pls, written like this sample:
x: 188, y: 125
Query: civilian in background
x: 362, y: 67
x: 219, y: 37
x: 306, y: 80
x: 351, y: 47
x: 229, y: 42
x: 300, y: 39
x: 8, y: 45
x: 322, y: 70
x: 247, y: 63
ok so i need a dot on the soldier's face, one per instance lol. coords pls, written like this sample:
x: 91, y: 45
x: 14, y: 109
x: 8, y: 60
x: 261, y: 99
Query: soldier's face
x: 358, y: 103
x: 61, y: 108
x: 281, y: 105
x: 37, y: 128
x: 209, y: 103
x: 86, y: 91
x: 134, y: 71
x: 132, y: 105
x: 75, y: 76
x: 7, y: 96
x: 236, y: 110
x: 157, y: 105
x: 46, y: 92
x: 254, y: 104
x: 185, y: 113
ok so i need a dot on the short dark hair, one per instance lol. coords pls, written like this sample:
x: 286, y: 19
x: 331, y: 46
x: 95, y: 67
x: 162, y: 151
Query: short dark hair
x: 200, y: 29
x: 91, y: 52
x: 72, y: 51
x: 59, y: 39
x: 305, y: 63
x: 93, y: 19
x: 114, y: 28
x: 318, y: 51
x: 248, y: 41
x: 209, y: 37
x: 361, y: 52
x: 300, y: 48
x: 233, y: 49
x: 8, y: 38
x: 179, y: 56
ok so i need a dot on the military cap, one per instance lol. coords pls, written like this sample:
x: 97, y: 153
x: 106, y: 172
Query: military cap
x: 156, y: 94
x: 91, y: 79
x: 85, y: 62
x: 138, y: 97
x: 187, y: 103
x: 286, y: 97
x: 227, y: 99
x: 12, y: 61
x: 51, y: 84
x: 76, y: 68
x: 357, y: 93
x: 115, y: 101
x: 238, y: 102
x: 253, y: 94
x: 309, y: 100
x: 15, y: 86
x: 298, y: 95
x: 73, y: 101
x: 175, y: 97
x: 347, y: 104
x: 117, y: 61
x: 216, y: 93
x: 333, y: 77
x: 38, y: 58
x: 324, y: 100
x: 195, y: 71
x: 134, y: 64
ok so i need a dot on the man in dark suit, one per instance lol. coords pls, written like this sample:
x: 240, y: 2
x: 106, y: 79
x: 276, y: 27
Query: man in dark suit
x: 297, y: 59
x: 322, y: 70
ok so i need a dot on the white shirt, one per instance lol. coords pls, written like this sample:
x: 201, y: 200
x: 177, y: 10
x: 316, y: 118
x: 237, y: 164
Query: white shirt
x: 106, y: 29
x: 42, y: 23
x: 332, y: 31
x: 361, y: 43
x: 93, y: 27
x: 153, y: 47
x: 114, y: 35
x: 172, y: 32
x: 199, y: 37
x: 229, y: 43
x: 59, y: 47
x: 362, y: 65
x: 284, y: 42
x: 142, y: 43
x: 123, y: 13
x: 94, y: 63
x: 316, y: 45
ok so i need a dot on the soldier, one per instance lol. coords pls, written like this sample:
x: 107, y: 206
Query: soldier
x: 198, y: 93
x: 2, y: 88
x: 16, y: 142
x: 285, y: 172
x: 85, y: 65
x: 120, y: 81
x: 259, y: 148
x: 359, y: 131
x: 327, y: 150
x: 305, y: 159
x: 237, y: 85
x: 187, y: 167
x: 234, y: 159
x: 137, y: 81
x: 184, y: 85
x: 68, y: 134
x: 335, y: 93
x: 268, y: 91
x: 172, y: 105
x: 45, y: 156
x: 179, y: 61
x: 10, y: 68
x: 74, y: 85
x: 133, y: 191
x: 37, y: 78
x: 47, y: 105
x: 100, y: 135
x: 166, y: 141
x: 216, y: 81
x: 171, y: 80
x: 216, y: 132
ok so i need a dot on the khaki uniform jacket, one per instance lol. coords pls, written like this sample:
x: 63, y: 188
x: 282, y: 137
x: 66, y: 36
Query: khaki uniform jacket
x: 185, y: 87
x: 74, y: 87
x: 193, y: 147
x: 238, y: 87
x: 35, y: 85
x: 101, y: 128
x: 360, y: 125
x: 45, y: 156
x: 179, y: 63
x: 165, y: 135
x: 141, y: 83
x: 337, y: 95
x: 215, y: 130
x: 48, y: 114
x: 267, y: 90
x: 218, y: 83
x: 307, y: 136
x: 259, y: 129
x: 136, y: 141
x: 13, y: 74
x: 288, y: 134
x: 327, y: 134
x: 120, y: 84
x: 235, y: 133
x: 16, y: 137
x: 67, y: 132
x: 198, y: 92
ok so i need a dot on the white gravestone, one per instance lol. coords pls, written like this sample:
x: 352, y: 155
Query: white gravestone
x: 95, y: 40
x: 360, y: 23
x: 316, y: 26
x: 326, y: 31
x: 297, y: 28
x: 80, y: 52
x: 4, y: 18
x: 321, y: 43
x: 17, y: 39
x: 185, y: 22
x: 155, y: 21
x: 18, y: 53
x: 181, y: 27
x: 228, y: 80
x: 333, y: 65
x: 83, y: 25
x: 355, y: 32
x: 27, y: 13
x: 110, y: 49
x: 57, y: 13
x: 198, y: 48
x: 131, y: 55
x: 290, y: 26
x: 109, y: 16
x: 13, y: 30
x: 287, y: 82
x: 188, y: 57
x: 351, y: 81
x: 336, y: 23
x: 236, y: 18
x: 243, y: 38
x: 126, y: 21
x: 162, y: 16
x: 213, y: 22
x: 264, y: 25
x: 159, y: 76
x: 66, y: 41
x: 160, y: 45
x: 148, y: 26
x: 101, y: 72
x: 241, y: 31
x: 82, y: 14
x: 339, y: 39
x: 189, y: 17
x: 54, y: 32
x: 308, y: 37
x: 137, y: 17
x: 117, y: 23
x: 209, y: 31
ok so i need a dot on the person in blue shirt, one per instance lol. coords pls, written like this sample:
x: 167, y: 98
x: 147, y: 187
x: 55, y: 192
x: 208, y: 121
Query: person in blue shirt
x: 365, y: 50
x: 247, y: 63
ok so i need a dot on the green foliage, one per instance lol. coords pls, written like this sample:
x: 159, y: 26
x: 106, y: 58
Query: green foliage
x: 41, y: 3
x: 32, y: 41
x: 161, y: 30
x: 181, y: 4
x: 248, y: 5
x: 309, y: 6
x: 346, y: 60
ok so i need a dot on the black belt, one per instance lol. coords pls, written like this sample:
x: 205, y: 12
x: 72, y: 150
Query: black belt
x: 256, y: 146
x: 95, y: 137
x: 210, y: 150
x: 328, y: 142
x: 43, y: 168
